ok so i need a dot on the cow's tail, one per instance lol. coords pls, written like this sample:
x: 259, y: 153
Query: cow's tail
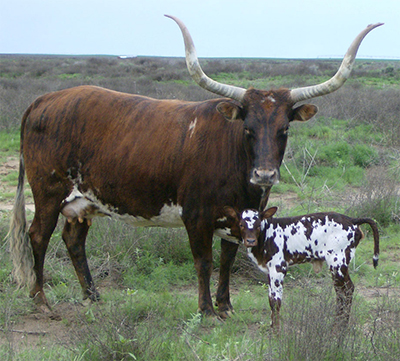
x: 20, y: 246
x: 375, y: 232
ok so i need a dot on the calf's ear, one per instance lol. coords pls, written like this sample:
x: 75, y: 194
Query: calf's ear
x: 303, y: 112
x: 268, y: 213
x: 231, y: 213
x: 230, y: 111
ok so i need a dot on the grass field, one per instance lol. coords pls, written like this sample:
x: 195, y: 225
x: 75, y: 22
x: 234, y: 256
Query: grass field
x: 346, y: 159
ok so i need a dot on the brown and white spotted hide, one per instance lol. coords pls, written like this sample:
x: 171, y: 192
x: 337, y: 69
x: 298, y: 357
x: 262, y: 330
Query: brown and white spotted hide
x: 319, y: 237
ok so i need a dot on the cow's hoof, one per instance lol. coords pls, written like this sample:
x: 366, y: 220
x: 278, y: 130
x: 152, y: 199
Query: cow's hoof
x: 226, y: 314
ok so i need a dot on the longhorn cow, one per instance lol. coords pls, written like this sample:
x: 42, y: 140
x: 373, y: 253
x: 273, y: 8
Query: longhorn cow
x: 89, y: 151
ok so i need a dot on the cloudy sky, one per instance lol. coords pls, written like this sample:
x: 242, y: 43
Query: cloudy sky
x: 220, y: 28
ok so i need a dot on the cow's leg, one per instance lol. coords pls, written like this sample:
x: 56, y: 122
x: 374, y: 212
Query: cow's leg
x: 74, y: 235
x: 200, y: 238
x: 228, y: 253
x: 40, y: 231
x: 344, y: 289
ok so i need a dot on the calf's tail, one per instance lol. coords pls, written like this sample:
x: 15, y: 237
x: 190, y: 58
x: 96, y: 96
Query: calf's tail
x: 375, y: 232
x: 20, y: 246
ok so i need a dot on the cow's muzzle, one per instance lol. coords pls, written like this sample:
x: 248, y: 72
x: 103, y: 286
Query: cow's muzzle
x: 264, y: 178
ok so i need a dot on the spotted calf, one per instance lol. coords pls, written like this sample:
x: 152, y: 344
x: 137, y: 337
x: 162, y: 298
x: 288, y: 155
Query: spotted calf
x: 275, y: 243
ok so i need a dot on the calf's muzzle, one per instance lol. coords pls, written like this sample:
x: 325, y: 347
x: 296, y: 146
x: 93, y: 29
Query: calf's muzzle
x: 250, y: 242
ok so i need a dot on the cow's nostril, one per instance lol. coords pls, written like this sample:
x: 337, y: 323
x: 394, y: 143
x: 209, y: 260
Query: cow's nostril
x: 263, y: 177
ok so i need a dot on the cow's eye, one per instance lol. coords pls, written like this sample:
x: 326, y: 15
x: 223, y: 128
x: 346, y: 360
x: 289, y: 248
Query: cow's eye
x: 249, y: 133
x: 285, y: 131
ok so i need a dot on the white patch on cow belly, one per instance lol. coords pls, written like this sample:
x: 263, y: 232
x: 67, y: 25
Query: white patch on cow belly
x: 170, y: 216
x: 225, y: 233
x: 73, y: 195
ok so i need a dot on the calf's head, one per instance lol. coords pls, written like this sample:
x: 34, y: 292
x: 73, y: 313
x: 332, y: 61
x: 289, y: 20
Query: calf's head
x: 247, y: 224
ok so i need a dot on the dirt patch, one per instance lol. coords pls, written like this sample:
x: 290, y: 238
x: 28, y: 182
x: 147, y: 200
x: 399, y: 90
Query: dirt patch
x: 38, y: 330
x: 284, y: 201
x: 7, y: 167
x: 371, y: 293
x: 11, y: 164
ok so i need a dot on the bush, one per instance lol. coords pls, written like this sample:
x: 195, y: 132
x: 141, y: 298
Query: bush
x: 364, y: 156
x: 378, y: 198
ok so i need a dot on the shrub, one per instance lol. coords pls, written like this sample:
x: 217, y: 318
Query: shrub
x: 378, y: 198
x: 364, y: 155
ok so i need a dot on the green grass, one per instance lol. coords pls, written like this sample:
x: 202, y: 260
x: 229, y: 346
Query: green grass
x: 9, y: 143
x: 146, y: 276
x: 149, y: 310
x: 11, y: 179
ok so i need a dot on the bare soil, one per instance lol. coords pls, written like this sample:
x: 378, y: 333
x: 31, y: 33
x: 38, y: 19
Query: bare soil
x: 38, y: 330
x: 6, y: 204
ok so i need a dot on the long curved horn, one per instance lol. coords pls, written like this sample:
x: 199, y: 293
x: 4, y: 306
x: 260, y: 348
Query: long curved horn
x: 339, y: 78
x: 197, y: 73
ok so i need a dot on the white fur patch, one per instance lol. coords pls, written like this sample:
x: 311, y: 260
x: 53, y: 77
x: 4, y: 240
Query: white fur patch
x: 73, y: 195
x: 254, y: 259
x: 250, y: 217
x: 225, y: 233
x: 170, y: 214
x: 326, y: 241
x: 192, y: 127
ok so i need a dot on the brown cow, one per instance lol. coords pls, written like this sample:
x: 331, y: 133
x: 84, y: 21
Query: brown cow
x: 89, y: 151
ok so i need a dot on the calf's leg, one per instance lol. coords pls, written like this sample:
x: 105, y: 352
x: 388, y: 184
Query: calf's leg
x: 344, y: 289
x: 275, y: 304
x: 275, y: 292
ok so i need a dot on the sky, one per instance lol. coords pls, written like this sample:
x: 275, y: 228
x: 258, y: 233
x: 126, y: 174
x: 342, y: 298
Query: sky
x: 219, y: 28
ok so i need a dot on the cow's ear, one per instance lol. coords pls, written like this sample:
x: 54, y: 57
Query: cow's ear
x: 268, y: 213
x: 303, y: 112
x: 231, y: 213
x: 230, y: 111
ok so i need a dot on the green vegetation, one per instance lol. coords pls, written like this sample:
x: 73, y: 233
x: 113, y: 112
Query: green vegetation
x: 346, y: 159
